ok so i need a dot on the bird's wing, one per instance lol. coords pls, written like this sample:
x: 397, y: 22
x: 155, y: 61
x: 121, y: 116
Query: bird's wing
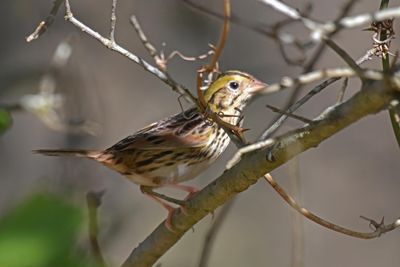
x: 189, y: 130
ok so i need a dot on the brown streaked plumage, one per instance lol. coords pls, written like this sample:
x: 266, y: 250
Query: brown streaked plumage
x: 179, y: 147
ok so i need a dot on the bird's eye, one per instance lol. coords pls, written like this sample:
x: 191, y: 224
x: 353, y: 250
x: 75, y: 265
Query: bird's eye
x: 233, y: 85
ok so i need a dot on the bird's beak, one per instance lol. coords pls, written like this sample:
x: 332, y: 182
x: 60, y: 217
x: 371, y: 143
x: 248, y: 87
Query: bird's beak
x: 256, y: 86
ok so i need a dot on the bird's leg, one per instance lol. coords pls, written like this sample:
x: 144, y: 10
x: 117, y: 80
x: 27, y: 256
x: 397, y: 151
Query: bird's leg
x: 189, y: 189
x: 148, y: 191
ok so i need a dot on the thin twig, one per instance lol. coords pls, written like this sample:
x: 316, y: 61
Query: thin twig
x: 113, y: 19
x: 320, y: 31
x: 272, y: 32
x: 380, y: 228
x: 345, y: 56
x: 180, y: 89
x: 291, y: 115
x: 386, y: 68
x: 160, y: 61
x: 334, y: 73
x: 93, y: 200
x: 272, y: 128
x: 46, y: 23
x: 342, y: 90
x: 193, y: 58
x: 234, y: 19
x: 212, y: 233
x: 268, y: 132
x: 210, y: 68
x: 223, y: 37
x: 297, y: 257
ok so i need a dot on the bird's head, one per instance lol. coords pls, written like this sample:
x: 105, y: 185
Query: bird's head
x: 231, y: 92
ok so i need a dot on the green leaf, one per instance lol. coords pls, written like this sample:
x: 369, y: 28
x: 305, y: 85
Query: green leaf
x: 40, y: 232
x: 5, y: 120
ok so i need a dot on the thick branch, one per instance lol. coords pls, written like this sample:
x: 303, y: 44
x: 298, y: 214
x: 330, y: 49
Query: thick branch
x: 373, y: 98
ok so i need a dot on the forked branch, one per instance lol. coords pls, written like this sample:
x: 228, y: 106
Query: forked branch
x: 112, y: 45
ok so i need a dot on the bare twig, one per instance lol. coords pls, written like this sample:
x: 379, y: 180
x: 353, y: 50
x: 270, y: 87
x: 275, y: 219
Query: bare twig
x: 93, y: 200
x: 297, y: 258
x: 284, y: 9
x: 379, y: 228
x: 345, y: 56
x: 273, y: 32
x: 335, y: 73
x: 386, y: 34
x: 113, y: 19
x: 291, y: 115
x: 321, y: 30
x: 189, y: 58
x: 209, y: 69
x: 268, y: 132
x: 342, y: 90
x: 180, y: 89
x: 160, y: 62
x: 212, y: 233
x: 307, y: 68
x: 223, y: 37
x: 234, y: 19
x: 45, y: 24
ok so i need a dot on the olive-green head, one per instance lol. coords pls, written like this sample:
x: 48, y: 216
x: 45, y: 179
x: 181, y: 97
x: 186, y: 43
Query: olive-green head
x: 231, y: 92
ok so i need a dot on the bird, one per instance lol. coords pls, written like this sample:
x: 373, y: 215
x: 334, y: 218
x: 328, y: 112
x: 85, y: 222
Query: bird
x: 179, y: 147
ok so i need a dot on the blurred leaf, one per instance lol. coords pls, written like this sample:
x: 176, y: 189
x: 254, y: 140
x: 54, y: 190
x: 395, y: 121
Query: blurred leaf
x: 5, y: 120
x: 41, y: 232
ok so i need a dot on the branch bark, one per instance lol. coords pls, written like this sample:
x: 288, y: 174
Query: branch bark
x: 374, y: 97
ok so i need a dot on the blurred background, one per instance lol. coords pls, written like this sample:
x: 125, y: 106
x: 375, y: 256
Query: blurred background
x: 91, y: 98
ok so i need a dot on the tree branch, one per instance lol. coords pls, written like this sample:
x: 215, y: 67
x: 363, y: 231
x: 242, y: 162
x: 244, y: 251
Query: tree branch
x: 380, y: 228
x: 307, y: 68
x: 322, y: 30
x: 270, y: 130
x: 180, y: 89
x: 45, y: 24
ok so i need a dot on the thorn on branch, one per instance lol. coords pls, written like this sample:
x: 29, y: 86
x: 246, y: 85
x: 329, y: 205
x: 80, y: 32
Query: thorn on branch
x: 374, y: 225
x: 383, y: 29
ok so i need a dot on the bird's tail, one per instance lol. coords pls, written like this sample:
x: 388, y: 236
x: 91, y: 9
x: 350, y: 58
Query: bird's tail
x: 69, y: 152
